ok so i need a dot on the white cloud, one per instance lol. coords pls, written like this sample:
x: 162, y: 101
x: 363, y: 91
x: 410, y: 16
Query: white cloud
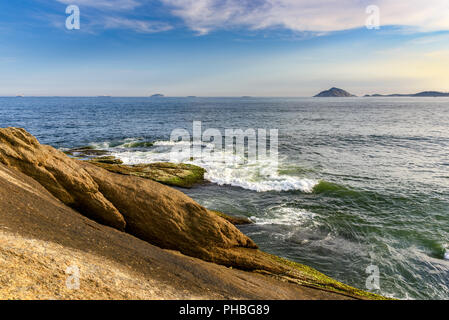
x: 318, y: 16
x: 104, y: 4
x: 204, y: 16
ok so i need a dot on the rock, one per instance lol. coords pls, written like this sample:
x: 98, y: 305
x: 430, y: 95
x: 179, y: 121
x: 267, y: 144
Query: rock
x: 60, y: 175
x: 86, y: 152
x: 334, y: 92
x: 150, y: 211
x: 179, y: 175
x: 232, y: 219
x: 40, y: 237
x: 106, y: 160
x: 167, y: 217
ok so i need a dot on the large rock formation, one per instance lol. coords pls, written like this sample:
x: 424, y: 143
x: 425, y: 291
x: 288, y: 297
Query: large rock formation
x: 41, y: 237
x: 40, y: 180
x: 146, y: 209
x: 167, y: 217
x: 60, y: 175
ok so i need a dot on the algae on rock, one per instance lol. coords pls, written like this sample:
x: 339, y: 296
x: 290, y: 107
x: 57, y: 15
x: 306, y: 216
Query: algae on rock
x: 179, y: 175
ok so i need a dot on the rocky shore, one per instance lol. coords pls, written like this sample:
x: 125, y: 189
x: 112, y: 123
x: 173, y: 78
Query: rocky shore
x: 130, y: 236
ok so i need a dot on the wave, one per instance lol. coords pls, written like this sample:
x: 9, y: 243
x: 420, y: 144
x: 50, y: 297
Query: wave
x: 284, y: 216
x: 128, y: 143
x: 228, y: 168
x: 325, y: 187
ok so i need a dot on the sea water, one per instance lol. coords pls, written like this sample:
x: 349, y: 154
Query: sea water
x: 360, y: 181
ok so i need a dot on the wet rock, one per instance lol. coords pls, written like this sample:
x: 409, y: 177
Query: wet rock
x: 179, y: 175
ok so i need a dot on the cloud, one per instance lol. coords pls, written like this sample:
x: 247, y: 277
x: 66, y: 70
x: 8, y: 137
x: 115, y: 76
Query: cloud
x: 317, y: 16
x: 104, y: 4
x: 136, y: 25
x: 115, y: 14
x: 204, y: 16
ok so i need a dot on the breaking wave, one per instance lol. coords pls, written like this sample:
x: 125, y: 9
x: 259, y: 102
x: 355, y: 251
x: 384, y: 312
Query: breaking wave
x: 230, y: 169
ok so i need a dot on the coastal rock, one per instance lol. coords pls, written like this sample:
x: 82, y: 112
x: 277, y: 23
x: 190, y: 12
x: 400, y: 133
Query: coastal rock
x: 167, y: 217
x: 40, y: 237
x: 60, y: 175
x: 172, y: 174
x: 86, y: 152
x: 149, y: 210
x: 39, y: 183
x: 237, y: 221
x: 107, y: 160
x: 334, y: 92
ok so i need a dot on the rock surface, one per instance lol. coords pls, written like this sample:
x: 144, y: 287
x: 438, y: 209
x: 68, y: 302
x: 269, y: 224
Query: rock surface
x: 167, y: 217
x: 178, y: 175
x: 60, y: 175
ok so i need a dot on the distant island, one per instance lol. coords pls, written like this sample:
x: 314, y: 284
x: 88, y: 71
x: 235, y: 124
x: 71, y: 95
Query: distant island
x: 334, y: 92
x: 420, y: 94
x: 337, y: 92
x: 157, y: 95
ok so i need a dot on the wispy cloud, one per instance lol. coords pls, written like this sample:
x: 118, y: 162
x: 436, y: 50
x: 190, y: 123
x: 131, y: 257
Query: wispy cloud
x: 115, y: 14
x: 318, y: 16
x: 104, y: 4
x: 204, y: 16
x: 136, y: 25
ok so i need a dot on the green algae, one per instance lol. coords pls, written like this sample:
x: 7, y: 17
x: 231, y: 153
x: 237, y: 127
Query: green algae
x: 313, y: 278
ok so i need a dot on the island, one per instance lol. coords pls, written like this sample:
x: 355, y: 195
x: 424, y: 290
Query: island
x: 420, y: 94
x: 334, y: 92
x: 157, y: 95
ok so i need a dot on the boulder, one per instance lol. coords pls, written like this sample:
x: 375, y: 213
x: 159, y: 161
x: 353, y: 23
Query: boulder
x: 60, y: 175
x: 167, y: 217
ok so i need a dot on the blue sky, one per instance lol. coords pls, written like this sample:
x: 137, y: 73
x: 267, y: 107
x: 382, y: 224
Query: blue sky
x: 222, y: 48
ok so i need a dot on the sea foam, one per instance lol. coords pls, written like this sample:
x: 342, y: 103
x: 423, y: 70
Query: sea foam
x: 228, y: 169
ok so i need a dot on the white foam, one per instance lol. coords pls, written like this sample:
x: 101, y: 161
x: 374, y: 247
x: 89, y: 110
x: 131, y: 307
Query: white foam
x: 227, y: 169
x: 285, y: 216
x: 108, y: 145
x: 446, y: 255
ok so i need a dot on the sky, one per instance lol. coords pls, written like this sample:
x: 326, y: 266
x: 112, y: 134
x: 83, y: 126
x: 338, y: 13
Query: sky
x: 278, y: 48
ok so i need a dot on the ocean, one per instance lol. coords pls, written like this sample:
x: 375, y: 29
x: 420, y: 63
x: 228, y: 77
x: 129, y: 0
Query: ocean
x: 361, y: 183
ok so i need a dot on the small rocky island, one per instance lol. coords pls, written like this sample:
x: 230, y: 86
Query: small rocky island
x: 157, y: 95
x: 334, y: 92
